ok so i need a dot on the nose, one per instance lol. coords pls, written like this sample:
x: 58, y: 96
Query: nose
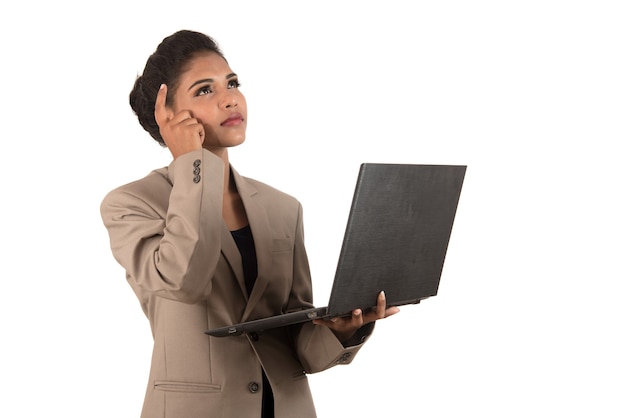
x: 228, y: 100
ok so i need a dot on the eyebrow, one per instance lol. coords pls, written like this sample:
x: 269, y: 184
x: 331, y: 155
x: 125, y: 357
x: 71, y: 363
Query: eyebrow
x: 210, y: 80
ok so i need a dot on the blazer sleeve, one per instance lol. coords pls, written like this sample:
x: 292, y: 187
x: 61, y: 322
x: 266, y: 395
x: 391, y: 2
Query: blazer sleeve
x: 165, y: 230
x: 316, y: 345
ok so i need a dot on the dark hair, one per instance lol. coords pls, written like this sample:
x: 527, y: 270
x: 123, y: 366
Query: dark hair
x: 164, y: 67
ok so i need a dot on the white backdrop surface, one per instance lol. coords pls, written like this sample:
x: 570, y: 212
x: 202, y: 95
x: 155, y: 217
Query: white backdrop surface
x: 530, y: 316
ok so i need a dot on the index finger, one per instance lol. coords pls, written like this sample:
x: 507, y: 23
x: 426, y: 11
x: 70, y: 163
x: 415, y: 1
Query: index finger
x: 160, y: 112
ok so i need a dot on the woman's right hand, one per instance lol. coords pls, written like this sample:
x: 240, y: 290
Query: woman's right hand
x: 181, y: 132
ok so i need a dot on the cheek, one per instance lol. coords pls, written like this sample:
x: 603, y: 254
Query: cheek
x: 206, y: 117
x: 241, y: 101
x: 209, y: 129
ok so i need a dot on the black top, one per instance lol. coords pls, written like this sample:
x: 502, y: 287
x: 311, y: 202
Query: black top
x: 245, y: 243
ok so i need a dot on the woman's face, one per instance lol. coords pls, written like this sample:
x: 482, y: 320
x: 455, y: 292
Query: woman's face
x: 209, y: 90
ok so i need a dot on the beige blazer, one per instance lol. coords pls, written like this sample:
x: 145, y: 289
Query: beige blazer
x: 166, y: 230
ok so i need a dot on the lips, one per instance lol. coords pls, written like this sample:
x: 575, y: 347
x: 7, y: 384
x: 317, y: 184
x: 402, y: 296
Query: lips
x: 234, y: 119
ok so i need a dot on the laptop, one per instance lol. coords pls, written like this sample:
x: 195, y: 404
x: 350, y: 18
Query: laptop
x: 395, y: 240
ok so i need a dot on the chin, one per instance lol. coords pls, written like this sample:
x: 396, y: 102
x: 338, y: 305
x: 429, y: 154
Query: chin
x: 235, y: 141
x: 228, y: 142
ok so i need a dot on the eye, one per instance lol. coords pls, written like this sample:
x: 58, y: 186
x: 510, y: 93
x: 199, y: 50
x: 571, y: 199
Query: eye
x: 233, y: 84
x: 204, y: 90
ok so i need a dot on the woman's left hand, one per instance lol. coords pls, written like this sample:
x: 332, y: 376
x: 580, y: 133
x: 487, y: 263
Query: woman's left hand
x: 345, y: 327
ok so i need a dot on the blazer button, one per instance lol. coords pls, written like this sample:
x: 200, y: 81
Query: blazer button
x: 344, y: 358
x: 196, y: 171
x: 253, y: 387
x: 254, y: 336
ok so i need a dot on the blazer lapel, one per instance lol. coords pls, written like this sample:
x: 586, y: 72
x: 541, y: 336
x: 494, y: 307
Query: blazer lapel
x: 233, y: 256
x: 262, y: 234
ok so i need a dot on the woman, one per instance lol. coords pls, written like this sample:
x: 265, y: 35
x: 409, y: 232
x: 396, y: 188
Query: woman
x: 204, y: 247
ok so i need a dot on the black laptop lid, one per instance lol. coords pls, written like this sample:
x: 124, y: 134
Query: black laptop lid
x: 395, y: 240
x: 397, y: 234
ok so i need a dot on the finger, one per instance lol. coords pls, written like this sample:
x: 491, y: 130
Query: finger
x: 187, y: 119
x: 201, y: 133
x: 391, y: 311
x: 184, y: 117
x: 160, y: 111
x: 381, y: 305
x: 357, y: 318
x: 382, y: 311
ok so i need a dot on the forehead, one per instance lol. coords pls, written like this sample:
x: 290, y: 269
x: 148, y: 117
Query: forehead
x: 206, y: 64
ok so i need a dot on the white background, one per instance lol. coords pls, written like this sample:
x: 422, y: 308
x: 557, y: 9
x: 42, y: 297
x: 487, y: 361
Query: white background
x: 531, y: 95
